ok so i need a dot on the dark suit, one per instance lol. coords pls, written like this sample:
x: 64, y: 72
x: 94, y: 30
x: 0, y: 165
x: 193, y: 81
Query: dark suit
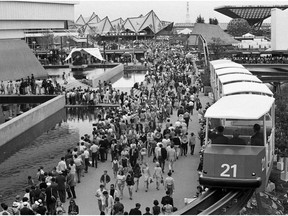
x: 220, y: 139
x: 167, y: 200
x: 133, y: 156
x: 257, y: 139
x: 135, y: 211
x: 237, y: 141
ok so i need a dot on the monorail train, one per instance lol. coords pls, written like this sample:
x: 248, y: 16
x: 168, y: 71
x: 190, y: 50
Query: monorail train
x: 240, y: 104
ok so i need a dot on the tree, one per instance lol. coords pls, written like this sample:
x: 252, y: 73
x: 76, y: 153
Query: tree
x: 238, y: 27
x: 213, y: 21
x: 200, y: 19
x: 217, y: 47
x: 281, y: 121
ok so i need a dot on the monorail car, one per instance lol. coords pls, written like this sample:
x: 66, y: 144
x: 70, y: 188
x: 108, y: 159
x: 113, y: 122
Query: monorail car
x: 241, y: 103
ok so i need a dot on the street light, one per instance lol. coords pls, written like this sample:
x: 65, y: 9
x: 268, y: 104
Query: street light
x: 68, y: 43
x: 34, y: 42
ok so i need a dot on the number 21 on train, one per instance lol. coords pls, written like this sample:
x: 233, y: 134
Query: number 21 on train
x: 229, y: 171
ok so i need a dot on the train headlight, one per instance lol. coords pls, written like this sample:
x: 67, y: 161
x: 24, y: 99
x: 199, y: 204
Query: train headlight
x: 253, y: 174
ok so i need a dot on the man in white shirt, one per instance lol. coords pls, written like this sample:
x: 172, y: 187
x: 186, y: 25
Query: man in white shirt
x: 61, y: 167
x: 94, y: 150
x: 99, y: 195
x: 171, y: 156
x: 86, y: 155
x: 107, y: 203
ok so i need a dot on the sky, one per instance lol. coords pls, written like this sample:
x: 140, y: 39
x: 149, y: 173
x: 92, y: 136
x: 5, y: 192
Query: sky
x: 173, y: 11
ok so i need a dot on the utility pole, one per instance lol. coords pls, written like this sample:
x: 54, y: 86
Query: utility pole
x: 187, y: 13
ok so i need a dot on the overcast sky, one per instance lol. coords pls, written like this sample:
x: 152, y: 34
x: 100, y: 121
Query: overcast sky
x: 174, y: 11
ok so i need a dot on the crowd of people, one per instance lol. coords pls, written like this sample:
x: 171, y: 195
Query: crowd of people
x: 130, y: 135
x: 31, y: 86
x: 269, y: 59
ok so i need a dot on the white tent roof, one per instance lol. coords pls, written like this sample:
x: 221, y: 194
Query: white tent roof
x: 92, y: 51
x: 241, y: 87
x: 228, y: 65
x: 248, y: 35
x: 224, y: 71
x: 238, y: 77
x: 185, y: 31
x: 240, y: 107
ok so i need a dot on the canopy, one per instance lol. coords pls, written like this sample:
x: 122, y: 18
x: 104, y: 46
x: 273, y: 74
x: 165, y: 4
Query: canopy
x: 18, y: 61
x: 219, y: 61
x: 244, y: 106
x: 241, y: 87
x: 92, y: 51
x: 238, y: 77
x: 228, y: 65
x: 224, y: 71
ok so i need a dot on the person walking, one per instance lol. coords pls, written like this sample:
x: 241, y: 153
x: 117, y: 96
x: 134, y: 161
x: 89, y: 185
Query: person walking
x: 184, y: 143
x: 105, y: 179
x: 169, y: 184
x: 78, y: 163
x: 61, y: 186
x: 162, y: 157
x: 158, y: 175
x: 130, y: 183
x: 71, y: 183
x: 192, y: 142
x: 137, y: 175
x: 99, y: 195
x: 171, y: 156
x: 147, y: 176
x: 107, y: 203
x: 94, y: 150
x: 120, y: 182
x: 115, y: 166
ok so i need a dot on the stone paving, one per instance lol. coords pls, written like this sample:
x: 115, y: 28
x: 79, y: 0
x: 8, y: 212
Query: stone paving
x: 185, y: 176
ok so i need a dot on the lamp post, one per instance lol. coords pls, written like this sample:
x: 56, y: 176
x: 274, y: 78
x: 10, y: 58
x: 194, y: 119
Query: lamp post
x: 104, y: 44
x: 34, y: 42
x: 68, y: 44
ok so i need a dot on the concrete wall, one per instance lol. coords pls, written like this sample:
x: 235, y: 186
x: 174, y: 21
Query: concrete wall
x: 279, y: 30
x: 21, y: 123
x: 108, y: 75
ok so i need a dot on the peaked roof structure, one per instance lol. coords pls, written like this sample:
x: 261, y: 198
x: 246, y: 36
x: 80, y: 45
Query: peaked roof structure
x: 209, y: 31
x: 255, y: 15
x: 94, y: 18
x: 148, y: 23
x: 102, y: 27
x: 118, y: 25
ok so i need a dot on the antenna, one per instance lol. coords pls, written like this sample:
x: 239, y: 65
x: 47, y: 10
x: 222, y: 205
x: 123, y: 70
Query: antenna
x: 187, y: 14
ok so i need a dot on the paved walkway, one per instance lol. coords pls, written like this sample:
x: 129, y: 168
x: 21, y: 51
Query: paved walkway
x: 185, y: 176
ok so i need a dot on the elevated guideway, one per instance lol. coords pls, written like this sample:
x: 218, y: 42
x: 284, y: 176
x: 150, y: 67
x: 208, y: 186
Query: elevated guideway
x: 269, y: 73
x: 218, y: 202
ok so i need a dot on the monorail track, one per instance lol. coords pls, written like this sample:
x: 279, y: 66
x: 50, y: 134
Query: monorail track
x: 218, y: 202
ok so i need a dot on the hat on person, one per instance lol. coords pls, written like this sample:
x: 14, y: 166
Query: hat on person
x: 15, y: 204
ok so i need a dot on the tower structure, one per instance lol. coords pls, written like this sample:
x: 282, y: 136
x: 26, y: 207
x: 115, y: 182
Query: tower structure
x: 187, y: 13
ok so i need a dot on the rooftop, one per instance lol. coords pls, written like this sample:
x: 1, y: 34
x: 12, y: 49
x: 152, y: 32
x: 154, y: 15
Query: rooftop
x: 253, y: 14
